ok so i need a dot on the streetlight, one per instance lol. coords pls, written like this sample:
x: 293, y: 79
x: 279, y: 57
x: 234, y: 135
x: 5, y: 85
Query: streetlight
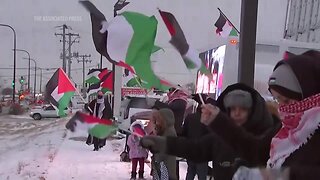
x: 22, y: 50
x: 35, y: 78
x: 14, y: 61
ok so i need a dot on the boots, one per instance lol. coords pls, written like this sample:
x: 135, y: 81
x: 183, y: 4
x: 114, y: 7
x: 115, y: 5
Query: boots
x: 133, y: 175
x: 141, y: 175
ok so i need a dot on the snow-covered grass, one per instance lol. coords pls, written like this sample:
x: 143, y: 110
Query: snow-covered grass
x: 45, y: 150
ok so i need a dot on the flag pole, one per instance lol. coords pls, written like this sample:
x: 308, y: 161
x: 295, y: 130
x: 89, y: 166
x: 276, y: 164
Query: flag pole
x: 228, y: 20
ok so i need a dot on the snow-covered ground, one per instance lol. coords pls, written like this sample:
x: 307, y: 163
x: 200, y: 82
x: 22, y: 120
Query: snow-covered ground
x: 45, y: 150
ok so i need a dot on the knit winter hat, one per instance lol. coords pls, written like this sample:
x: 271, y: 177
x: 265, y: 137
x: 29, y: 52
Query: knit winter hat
x: 238, y: 98
x: 284, y: 81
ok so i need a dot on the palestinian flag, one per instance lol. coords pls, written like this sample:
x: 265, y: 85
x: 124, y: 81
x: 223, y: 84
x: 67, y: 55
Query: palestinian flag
x: 105, y: 84
x: 95, y: 75
x: 130, y: 43
x: 224, y: 27
x: 127, y: 41
x: 99, y: 39
x: 134, y: 82
x: 131, y: 80
x: 137, y: 128
x: 179, y: 41
x: 59, y: 91
x: 100, y: 128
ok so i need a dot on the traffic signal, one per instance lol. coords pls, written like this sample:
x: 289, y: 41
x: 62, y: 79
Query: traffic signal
x: 21, y: 80
x: 12, y: 83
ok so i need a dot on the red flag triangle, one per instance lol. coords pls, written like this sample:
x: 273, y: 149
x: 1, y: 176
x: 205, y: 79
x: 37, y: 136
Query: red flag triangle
x: 108, y: 83
x: 64, y: 83
x: 103, y: 73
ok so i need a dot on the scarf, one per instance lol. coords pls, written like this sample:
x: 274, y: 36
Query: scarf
x: 101, y: 108
x: 177, y: 94
x: 299, y: 122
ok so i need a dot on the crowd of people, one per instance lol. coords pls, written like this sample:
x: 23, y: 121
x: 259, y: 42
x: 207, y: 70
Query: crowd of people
x: 242, y: 134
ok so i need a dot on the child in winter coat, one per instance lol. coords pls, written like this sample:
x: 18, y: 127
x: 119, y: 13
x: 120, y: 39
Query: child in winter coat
x: 137, y: 153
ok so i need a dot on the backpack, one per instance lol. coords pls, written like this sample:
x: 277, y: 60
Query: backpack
x: 124, y: 156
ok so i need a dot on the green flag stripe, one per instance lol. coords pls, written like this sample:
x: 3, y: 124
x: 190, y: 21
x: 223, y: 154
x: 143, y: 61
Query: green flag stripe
x: 64, y: 102
x: 233, y: 32
x: 102, y: 131
x: 93, y: 80
x: 141, y: 46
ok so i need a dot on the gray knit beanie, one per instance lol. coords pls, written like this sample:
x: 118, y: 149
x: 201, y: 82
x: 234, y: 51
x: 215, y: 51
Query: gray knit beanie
x: 284, y: 77
x: 238, y: 98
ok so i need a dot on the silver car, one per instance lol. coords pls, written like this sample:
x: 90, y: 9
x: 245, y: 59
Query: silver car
x: 46, y: 111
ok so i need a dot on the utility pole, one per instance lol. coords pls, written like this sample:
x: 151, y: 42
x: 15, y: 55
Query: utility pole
x: 70, y: 55
x: 40, y: 80
x: 64, y: 27
x: 247, y: 48
x: 84, y: 61
x: 120, y: 4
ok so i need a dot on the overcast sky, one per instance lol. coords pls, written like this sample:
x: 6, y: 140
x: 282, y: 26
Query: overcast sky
x: 36, y: 21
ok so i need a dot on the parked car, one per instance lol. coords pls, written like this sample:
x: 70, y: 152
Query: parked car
x: 129, y: 107
x: 46, y: 111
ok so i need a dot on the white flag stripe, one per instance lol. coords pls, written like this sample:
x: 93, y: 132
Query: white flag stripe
x: 55, y: 94
x: 226, y: 30
x: 94, y: 74
x: 120, y: 33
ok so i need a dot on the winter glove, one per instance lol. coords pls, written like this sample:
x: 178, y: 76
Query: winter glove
x: 244, y: 173
x: 156, y: 144
x: 209, y: 113
x: 261, y: 174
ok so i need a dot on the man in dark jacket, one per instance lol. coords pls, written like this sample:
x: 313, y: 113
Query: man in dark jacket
x: 194, y: 129
x: 247, y: 108
x: 100, y: 108
x: 177, y: 102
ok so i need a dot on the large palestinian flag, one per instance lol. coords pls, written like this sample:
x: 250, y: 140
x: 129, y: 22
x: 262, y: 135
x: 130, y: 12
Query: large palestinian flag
x: 104, y: 84
x: 127, y: 41
x: 59, y: 91
x: 100, y: 128
x: 224, y: 27
x: 179, y: 41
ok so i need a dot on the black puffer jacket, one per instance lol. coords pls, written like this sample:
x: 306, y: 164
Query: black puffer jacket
x: 212, y: 148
